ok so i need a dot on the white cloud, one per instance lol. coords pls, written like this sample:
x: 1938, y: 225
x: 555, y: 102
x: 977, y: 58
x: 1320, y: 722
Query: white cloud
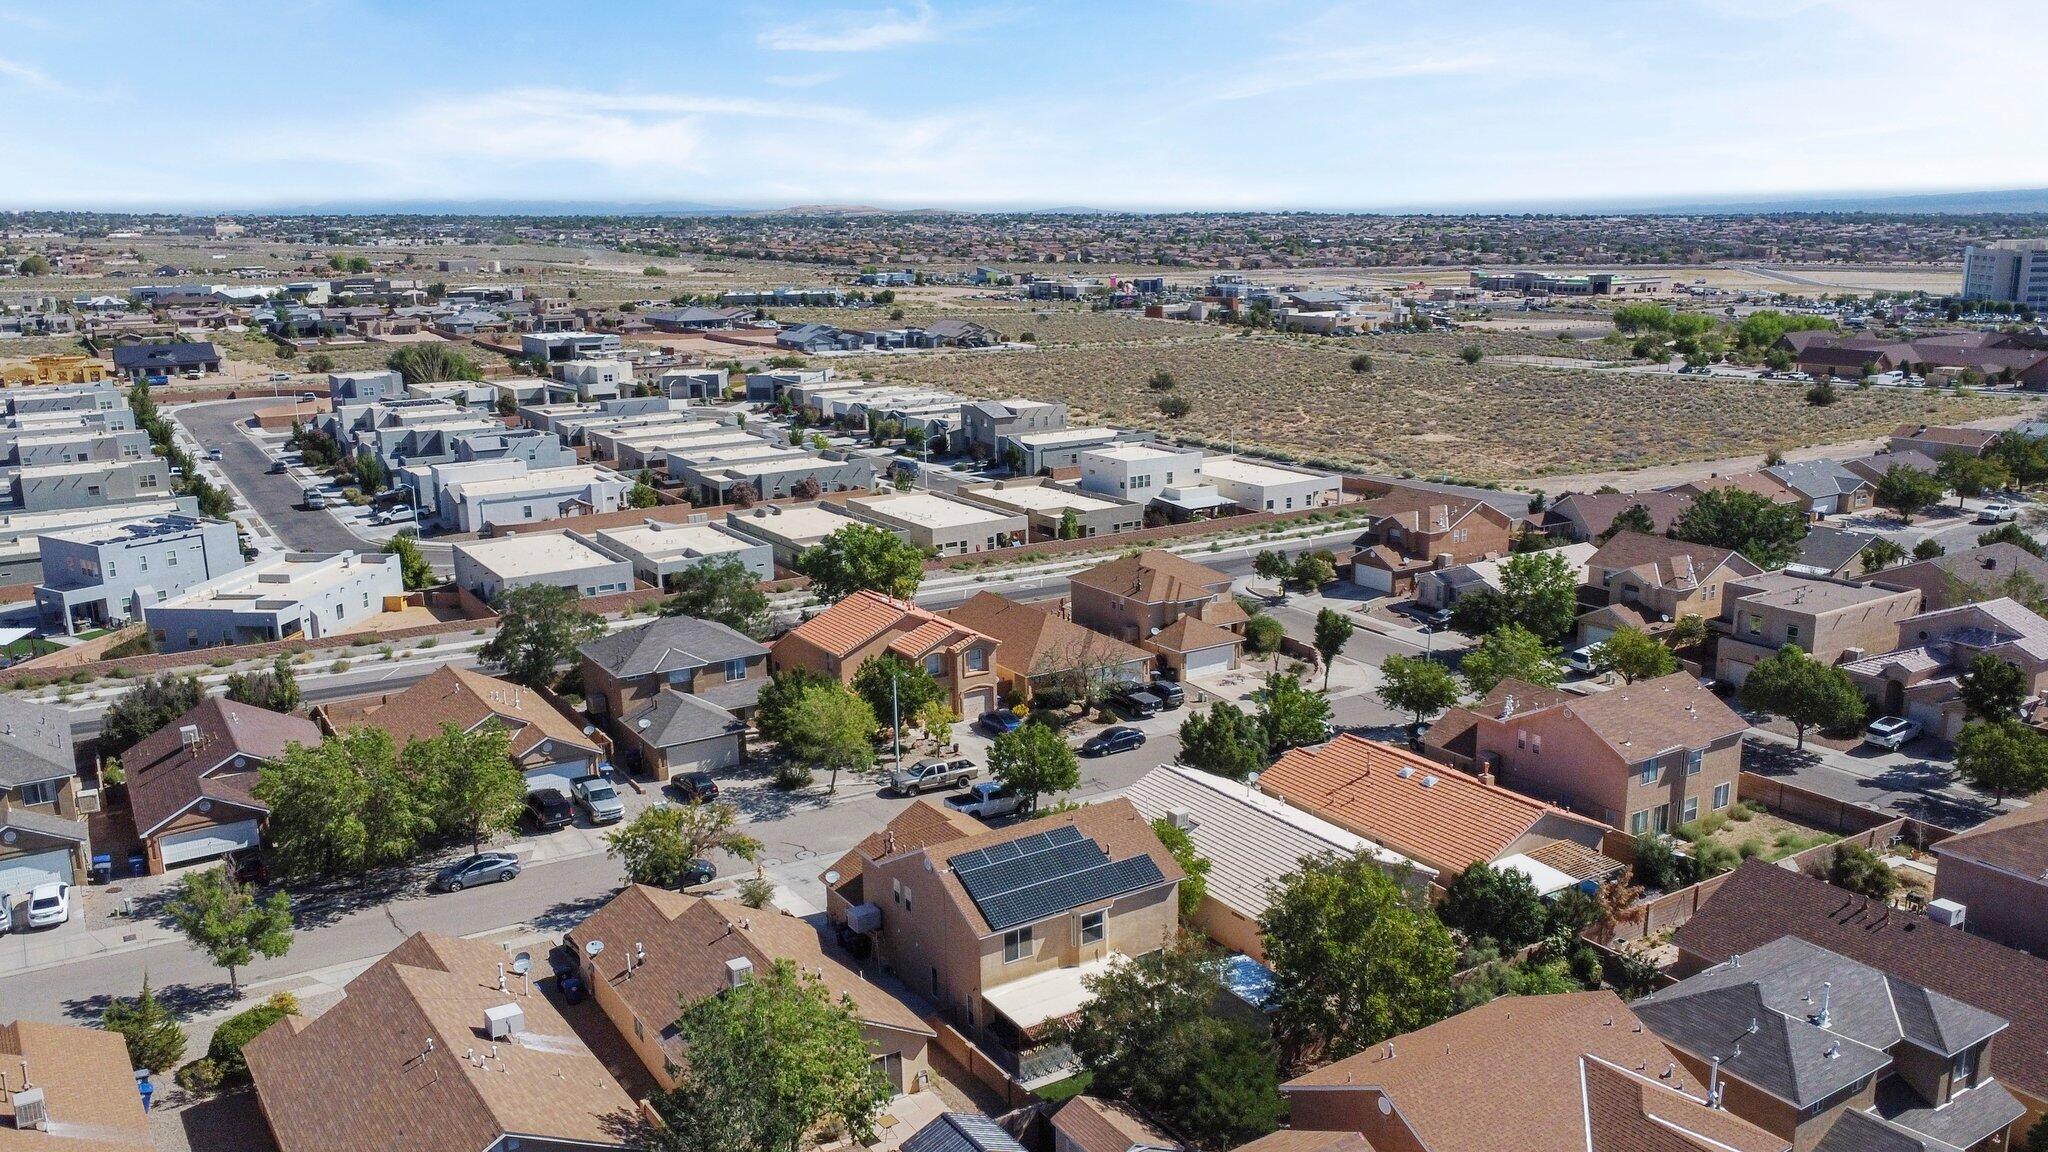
x: 854, y: 31
x: 29, y: 77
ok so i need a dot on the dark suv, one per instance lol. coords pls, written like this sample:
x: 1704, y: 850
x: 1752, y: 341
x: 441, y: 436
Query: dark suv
x: 1170, y: 694
x: 695, y: 787
x: 1133, y: 702
x: 548, y: 809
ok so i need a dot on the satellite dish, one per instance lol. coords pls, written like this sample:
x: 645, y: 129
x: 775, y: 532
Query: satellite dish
x: 522, y: 964
x: 832, y: 876
x: 594, y: 947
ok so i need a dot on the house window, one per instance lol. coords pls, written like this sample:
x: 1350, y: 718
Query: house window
x: 1092, y: 927
x: 977, y: 660
x: 1638, y: 822
x: 1791, y: 633
x: 639, y: 1029
x: 1756, y: 625
x: 110, y: 569
x: 171, y: 559
x: 1016, y: 945
x: 1521, y: 738
x: 40, y: 792
x: 1647, y: 772
x: 1692, y: 809
x: 1965, y: 1073
x: 1721, y: 795
x: 896, y: 892
x: 935, y: 664
x: 1536, y: 744
x: 735, y: 670
x: 1695, y: 758
x: 909, y: 899
x: 144, y: 560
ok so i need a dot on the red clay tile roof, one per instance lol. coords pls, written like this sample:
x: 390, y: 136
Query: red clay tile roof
x: 1563, y: 1073
x: 855, y: 621
x: 88, y: 1088
x: 1440, y: 816
x: 1154, y: 576
x: 165, y: 777
x: 360, y: 1078
x: 466, y: 699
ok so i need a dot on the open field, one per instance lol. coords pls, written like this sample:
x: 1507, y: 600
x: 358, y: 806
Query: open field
x: 1297, y: 397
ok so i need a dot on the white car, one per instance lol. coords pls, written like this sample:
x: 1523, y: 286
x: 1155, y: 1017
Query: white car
x: 6, y: 913
x: 1585, y: 659
x: 49, y: 905
x: 1997, y: 512
x: 403, y: 514
x: 1891, y: 731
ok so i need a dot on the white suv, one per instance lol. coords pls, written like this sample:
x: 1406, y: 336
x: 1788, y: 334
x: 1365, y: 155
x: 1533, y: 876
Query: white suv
x: 1891, y: 731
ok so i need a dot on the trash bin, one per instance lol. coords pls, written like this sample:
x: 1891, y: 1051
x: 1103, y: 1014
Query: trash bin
x: 102, y: 869
x: 137, y: 866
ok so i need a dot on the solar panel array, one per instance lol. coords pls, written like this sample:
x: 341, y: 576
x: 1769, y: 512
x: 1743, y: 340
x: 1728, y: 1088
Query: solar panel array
x: 1046, y: 873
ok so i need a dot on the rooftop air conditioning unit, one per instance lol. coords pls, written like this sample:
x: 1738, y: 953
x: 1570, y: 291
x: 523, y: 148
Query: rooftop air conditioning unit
x: 1946, y: 912
x: 739, y: 972
x: 503, y: 1021
x: 29, y: 1112
x: 1180, y: 818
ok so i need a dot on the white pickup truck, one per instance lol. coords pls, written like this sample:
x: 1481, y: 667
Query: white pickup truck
x: 986, y: 801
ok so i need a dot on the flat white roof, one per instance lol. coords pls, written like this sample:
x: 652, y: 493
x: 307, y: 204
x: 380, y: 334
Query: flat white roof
x: 540, y: 554
x: 575, y: 475
x: 1138, y: 452
x: 29, y: 525
x: 732, y: 453
x: 800, y: 525
x: 1066, y: 436
x: 928, y: 511
x: 84, y: 467
x: 710, y: 435
x: 1044, y: 498
x: 1242, y: 471
x: 664, y: 541
x: 279, y: 581
x: 1053, y: 994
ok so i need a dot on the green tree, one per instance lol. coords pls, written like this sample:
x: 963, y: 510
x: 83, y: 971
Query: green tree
x: 1270, y: 565
x: 2002, y: 757
x: 772, y: 1064
x: 1538, y: 591
x: 342, y: 806
x: 1906, y: 491
x: 886, y: 672
x: 224, y: 1051
x: 1292, y: 714
x: 539, y: 627
x: 1862, y: 871
x: 1333, y: 631
x: 830, y: 728
x: 862, y: 557
x: 1496, y: 904
x: 1802, y: 690
x: 660, y: 843
x: 155, y: 1041
x: 1173, y: 407
x: 1634, y: 518
x: 1767, y: 534
x: 1471, y: 353
x: 1194, y: 885
x: 1032, y: 762
x: 1160, y: 381
x: 1070, y: 525
x: 1928, y: 549
x: 1151, y: 1036
x: 1993, y: 688
x: 276, y: 689
x: 1263, y: 636
x: 1314, y: 569
x: 471, y: 786
x: 1355, y: 960
x: 146, y: 708
x: 34, y: 264
x: 432, y: 363
x: 721, y: 589
x: 642, y: 495
x: 1880, y: 555
x: 319, y: 362
x: 1688, y: 630
x: 780, y: 700
x: 1225, y: 741
x: 414, y: 568
x: 228, y: 921
x: 1971, y: 475
x: 1635, y: 656
x: 1512, y: 652
x: 2012, y: 534
x: 2037, y: 1137
x: 1416, y: 685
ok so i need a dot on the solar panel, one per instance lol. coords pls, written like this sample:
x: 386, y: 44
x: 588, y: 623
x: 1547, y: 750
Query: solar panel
x: 1049, y: 878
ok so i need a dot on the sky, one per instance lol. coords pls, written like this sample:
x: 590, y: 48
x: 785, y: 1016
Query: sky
x: 1126, y: 104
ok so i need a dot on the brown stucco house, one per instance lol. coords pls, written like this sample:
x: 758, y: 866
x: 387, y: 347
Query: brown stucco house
x: 1413, y: 530
x: 664, y: 951
x: 1920, y: 677
x: 1831, y: 620
x: 1968, y: 575
x: 549, y: 749
x: 1038, y: 647
x: 837, y: 641
x: 1998, y: 872
x: 1166, y: 604
x: 192, y: 783
x: 674, y: 694
x: 1665, y: 578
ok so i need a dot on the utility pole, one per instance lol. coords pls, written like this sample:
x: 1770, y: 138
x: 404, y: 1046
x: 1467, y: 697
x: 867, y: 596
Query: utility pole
x: 896, y: 719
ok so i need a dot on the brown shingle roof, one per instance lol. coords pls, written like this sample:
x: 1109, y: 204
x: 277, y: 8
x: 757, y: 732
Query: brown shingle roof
x: 360, y: 1078
x: 1640, y: 720
x: 165, y: 776
x: 458, y: 696
x: 1563, y: 1073
x: 1304, y: 1140
x: 1760, y: 902
x: 1154, y: 576
x: 2016, y: 842
x: 688, y: 940
x: 1093, y: 1125
x: 917, y: 825
x: 1595, y: 511
x: 1439, y: 816
x: 1756, y: 483
x: 1660, y: 560
x: 1455, y: 731
x: 1188, y: 634
x: 88, y: 1088
x: 1036, y: 642
x: 1116, y: 825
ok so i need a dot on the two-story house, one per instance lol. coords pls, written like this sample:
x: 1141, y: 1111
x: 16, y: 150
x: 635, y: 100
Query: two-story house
x: 1582, y: 516
x: 1413, y: 530
x: 674, y: 694
x: 549, y: 749
x: 1651, y: 581
x: 1920, y: 676
x: 1837, y: 1056
x: 1165, y: 604
x: 1831, y: 620
x: 1998, y: 873
x: 1644, y: 758
x: 105, y: 575
x: 837, y: 641
x: 1001, y: 930
x: 191, y: 783
x: 43, y: 835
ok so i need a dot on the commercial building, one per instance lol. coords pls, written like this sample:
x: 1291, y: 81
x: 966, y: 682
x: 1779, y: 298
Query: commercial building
x: 103, y: 576
x: 2012, y: 271
x: 283, y: 596
x: 660, y: 549
x: 945, y: 527
x: 488, y: 569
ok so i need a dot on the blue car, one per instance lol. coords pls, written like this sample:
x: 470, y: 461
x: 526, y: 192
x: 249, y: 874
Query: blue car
x: 999, y: 721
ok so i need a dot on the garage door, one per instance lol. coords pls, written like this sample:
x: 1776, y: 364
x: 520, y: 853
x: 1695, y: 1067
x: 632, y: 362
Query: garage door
x: 556, y: 776
x: 21, y: 873
x: 704, y: 755
x: 979, y: 701
x: 1372, y: 579
x: 206, y: 843
x: 1208, y: 662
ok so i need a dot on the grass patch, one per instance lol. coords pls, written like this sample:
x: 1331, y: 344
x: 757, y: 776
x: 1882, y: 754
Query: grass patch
x: 1061, y: 1091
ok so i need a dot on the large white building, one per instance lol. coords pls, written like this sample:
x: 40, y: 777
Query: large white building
x: 1259, y: 487
x: 660, y: 549
x: 542, y: 494
x: 1138, y: 472
x: 283, y: 597
x: 2015, y: 271
x: 491, y: 568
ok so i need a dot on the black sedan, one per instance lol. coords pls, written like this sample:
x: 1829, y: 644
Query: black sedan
x: 483, y: 868
x: 547, y: 810
x: 1113, y: 740
x: 698, y: 871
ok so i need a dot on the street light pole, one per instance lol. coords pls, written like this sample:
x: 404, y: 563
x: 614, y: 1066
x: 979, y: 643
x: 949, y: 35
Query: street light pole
x: 896, y: 719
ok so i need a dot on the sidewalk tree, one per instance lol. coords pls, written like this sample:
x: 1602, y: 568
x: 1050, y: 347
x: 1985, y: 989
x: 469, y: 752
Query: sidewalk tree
x: 1969, y: 476
x: 1512, y: 652
x: 658, y: 845
x: 1033, y: 761
x: 1802, y: 690
x: 146, y: 709
x: 1270, y: 565
x: 773, y: 1063
x: 472, y: 787
x: 1928, y: 549
x: 229, y: 921
x: 1631, y: 654
x: 1263, y: 636
x: 1355, y: 960
x: 342, y: 807
x: 1538, y: 591
x: 539, y: 626
x: 1993, y: 688
x: 1292, y: 714
x: 721, y: 590
x: 830, y: 728
x: 2002, y: 757
x: 1333, y: 631
x: 275, y: 688
x: 886, y: 672
x: 781, y: 699
x: 1905, y: 491
x: 155, y: 1040
x: 414, y: 568
x: 1314, y: 569
x: 1150, y: 1036
x: 862, y: 557
x: 1224, y: 741
x: 1767, y: 534
x: 1417, y: 685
